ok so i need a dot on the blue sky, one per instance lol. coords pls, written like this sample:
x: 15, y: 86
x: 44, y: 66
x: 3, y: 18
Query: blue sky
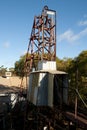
x: 16, y: 19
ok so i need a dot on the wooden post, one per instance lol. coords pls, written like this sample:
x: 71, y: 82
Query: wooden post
x: 76, y: 99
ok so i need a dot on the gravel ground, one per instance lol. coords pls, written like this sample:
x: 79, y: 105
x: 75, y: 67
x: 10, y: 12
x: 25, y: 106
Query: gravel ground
x: 10, y: 84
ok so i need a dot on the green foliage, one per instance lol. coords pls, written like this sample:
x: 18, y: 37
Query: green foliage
x: 19, y: 66
x: 63, y: 64
x: 78, y: 64
x: 2, y: 70
x: 82, y: 61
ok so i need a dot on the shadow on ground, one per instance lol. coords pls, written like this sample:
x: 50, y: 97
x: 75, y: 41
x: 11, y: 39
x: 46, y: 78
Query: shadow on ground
x: 7, y: 89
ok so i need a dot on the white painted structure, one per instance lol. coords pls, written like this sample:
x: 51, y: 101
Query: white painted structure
x: 48, y: 88
x: 47, y: 65
x: 8, y: 74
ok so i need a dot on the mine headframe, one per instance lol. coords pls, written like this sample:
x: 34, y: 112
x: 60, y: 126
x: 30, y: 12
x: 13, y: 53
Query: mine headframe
x: 42, y: 44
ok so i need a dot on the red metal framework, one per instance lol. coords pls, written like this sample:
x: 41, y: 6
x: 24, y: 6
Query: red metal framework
x: 42, y: 44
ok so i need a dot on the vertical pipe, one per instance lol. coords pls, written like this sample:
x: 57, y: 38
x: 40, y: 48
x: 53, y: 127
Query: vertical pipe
x: 55, y: 38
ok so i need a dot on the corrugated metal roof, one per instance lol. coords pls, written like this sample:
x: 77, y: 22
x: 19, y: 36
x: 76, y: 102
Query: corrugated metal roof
x: 50, y: 71
x: 57, y: 72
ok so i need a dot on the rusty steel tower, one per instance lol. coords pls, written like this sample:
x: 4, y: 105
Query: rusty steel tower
x: 42, y: 43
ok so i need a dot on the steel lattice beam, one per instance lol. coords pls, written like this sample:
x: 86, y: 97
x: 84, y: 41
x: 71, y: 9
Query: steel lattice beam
x: 43, y: 37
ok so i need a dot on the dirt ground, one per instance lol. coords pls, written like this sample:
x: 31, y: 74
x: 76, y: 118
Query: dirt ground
x: 10, y: 84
